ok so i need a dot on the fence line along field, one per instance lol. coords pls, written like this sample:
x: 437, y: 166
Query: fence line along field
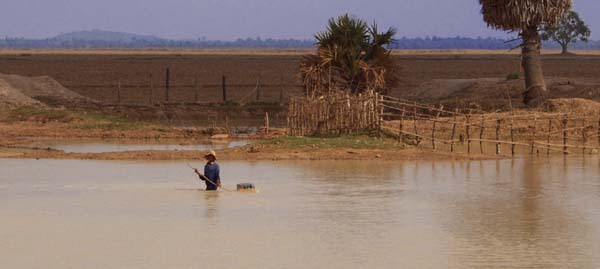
x: 98, y: 75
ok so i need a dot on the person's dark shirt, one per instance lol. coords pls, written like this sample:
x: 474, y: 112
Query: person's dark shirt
x: 211, y: 171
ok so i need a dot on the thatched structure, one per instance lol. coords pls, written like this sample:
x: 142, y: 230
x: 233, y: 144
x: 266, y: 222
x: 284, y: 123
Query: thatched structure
x: 526, y: 17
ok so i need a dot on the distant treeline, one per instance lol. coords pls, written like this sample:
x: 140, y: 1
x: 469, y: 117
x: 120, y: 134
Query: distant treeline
x: 22, y: 43
x: 478, y: 43
x: 250, y: 43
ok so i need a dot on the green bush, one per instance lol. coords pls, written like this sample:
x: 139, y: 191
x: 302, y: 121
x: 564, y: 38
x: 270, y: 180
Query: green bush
x: 356, y: 141
x: 80, y: 119
x: 30, y: 113
x: 512, y: 76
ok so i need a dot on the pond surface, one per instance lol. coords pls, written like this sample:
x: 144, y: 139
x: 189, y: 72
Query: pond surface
x: 101, y: 214
x: 103, y: 146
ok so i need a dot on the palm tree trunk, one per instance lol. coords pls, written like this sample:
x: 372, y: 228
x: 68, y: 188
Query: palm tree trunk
x: 532, y: 66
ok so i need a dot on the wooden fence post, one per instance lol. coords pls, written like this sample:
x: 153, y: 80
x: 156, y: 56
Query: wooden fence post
x: 167, y: 84
x: 400, y: 129
x: 302, y: 116
x: 290, y: 117
x: 481, y: 133
x: 119, y: 92
x: 583, y: 135
x: 498, y: 122
x: 549, y: 135
x: 329, y: 80
x: 267, y: 123
x: 533, y: 135
x: 468, y: 131
x: 196, y: 86
x: 512, y: 134
x: 433, y: 133
x: 224, y: 88
x: 258, y: 87
x: 151, y: 89
x: 281, y: 90
x: 281, y: 96
x: 598, y: 129
x: 378, y: 110
x: 453, y: 132
x: 565, y: 122
x: 417, y: 139
x: 288, y: 124
x: 295, y: 117
x: 227, y: 122
x: 381, y: 110
x: 437, y: 116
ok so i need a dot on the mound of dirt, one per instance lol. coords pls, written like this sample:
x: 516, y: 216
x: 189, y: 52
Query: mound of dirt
x: 572, y: 105
x: 493, y: 93
x: 484, y: 93
x: 38, y: 91
x: 440, y: 89
x: 11, y: 98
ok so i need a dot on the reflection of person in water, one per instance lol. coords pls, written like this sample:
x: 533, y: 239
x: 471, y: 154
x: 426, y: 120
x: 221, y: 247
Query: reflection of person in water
x: 211, y: 210
x: 211, y: 172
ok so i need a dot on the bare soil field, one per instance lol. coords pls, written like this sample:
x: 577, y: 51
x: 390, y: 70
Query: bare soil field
x: 141, y: 74
x: 453, y: 78
x: 142, y: 77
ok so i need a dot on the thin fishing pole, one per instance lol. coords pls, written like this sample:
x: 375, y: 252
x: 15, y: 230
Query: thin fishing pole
x: 207, y: 179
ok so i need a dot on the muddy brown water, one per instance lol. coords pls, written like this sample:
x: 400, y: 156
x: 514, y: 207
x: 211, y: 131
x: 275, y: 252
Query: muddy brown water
x: 541, y: 212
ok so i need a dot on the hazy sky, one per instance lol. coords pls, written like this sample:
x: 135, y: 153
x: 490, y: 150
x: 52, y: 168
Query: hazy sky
x: 231, y: 19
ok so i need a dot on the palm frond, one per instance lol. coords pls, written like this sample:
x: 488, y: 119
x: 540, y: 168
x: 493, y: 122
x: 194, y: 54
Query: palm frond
x: 515, y: 15
x: 351, y: 56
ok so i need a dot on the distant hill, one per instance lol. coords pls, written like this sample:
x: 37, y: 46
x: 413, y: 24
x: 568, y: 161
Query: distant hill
x: 105, y: 36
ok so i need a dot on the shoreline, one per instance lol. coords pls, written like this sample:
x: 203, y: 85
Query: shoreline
x: 17, y: 139
x: 245, y: 153
x: 256, y: 150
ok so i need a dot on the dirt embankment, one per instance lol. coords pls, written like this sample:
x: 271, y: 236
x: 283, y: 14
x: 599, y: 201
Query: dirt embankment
x: 498, y: 93
x: 24, y: 132
x: 43, y: 91
x: 578, y: 106
x: 12, y: 98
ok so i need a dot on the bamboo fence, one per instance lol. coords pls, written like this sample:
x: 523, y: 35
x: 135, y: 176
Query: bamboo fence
x: 461, y: 131
x: 334, y: 114
x: 475, y: 131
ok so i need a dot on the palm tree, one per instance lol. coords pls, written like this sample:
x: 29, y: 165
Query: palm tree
x: 351, y: 56
x: 526, y: 17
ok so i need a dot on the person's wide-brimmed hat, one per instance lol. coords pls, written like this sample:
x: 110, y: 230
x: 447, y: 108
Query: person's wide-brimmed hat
x: 211, y: 153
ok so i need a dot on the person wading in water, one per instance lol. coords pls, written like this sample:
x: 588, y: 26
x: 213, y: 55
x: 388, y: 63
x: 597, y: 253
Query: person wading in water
x: 211, y: 172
